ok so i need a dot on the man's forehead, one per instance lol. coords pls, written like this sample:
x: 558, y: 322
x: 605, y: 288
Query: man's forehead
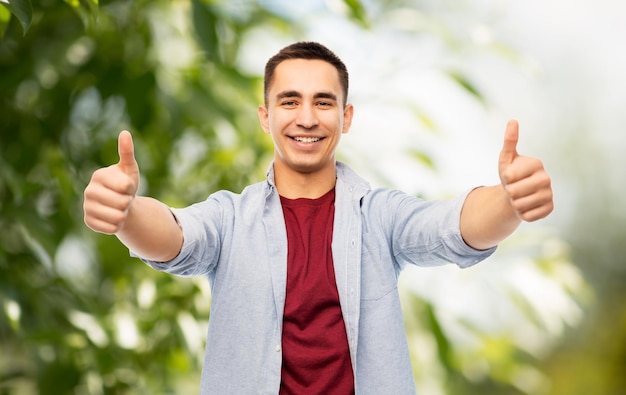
x: 293, y: 69
x: 306, y: 76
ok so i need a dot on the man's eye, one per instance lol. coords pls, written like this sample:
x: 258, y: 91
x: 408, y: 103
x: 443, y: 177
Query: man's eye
x: 289, y: 103
x: 324, y: 104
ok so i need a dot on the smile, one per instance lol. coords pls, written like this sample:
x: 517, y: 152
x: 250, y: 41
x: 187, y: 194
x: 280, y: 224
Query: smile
x: 307, y: 140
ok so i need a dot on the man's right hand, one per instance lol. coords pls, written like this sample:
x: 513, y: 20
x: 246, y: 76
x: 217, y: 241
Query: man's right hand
x: 111, y: 191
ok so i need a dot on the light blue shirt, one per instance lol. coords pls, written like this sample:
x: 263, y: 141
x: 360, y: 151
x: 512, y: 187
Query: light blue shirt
x: 239, y: 242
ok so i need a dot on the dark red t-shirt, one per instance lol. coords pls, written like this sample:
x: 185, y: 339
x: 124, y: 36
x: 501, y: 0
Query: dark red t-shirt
x: 316, y: 357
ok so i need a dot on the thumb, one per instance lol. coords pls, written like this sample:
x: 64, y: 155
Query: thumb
x: 509, y: 148
x: 126, y: 150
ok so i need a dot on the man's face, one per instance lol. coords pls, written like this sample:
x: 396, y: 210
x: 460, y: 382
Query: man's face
x: 305, y: 115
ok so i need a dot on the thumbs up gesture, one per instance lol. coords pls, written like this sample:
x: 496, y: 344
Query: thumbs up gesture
x: 111, y: 191
x: 524, y: 179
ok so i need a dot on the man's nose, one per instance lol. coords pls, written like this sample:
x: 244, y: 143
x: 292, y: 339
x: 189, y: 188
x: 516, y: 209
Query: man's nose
x: 307, y: 117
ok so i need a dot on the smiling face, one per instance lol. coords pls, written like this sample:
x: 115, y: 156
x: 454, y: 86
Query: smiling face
x: 305, y: 115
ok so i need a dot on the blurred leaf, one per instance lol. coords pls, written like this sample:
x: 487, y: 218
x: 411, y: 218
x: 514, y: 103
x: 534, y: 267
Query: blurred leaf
x: 443, y: 344
x: 424, y: 118
x: 467, y: 85
x: 22, y: 9
x: 423, y: 158
x: 87, y: 10
x: 5, y: 17
x: 357, y: 12
x: 91, y: 5
x: 205, y: 25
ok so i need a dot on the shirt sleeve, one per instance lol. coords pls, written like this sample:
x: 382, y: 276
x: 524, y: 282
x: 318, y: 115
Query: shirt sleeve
x: 428, y: 233
x: 199, y: 253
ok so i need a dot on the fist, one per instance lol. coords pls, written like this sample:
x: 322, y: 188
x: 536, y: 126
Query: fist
x: 524, y: 179
x: 110, y: 193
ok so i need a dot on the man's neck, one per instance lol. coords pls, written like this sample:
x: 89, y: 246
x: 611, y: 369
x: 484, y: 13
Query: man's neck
x: 293, y: 185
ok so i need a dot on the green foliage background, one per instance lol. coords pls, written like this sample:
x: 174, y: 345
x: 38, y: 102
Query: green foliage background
x: 69, y: 85
x: 77, y: 314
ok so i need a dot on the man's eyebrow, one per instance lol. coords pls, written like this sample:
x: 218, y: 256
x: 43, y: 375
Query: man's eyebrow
x: 319, y: 95
x: 285, y: 94
x: 325, y: 95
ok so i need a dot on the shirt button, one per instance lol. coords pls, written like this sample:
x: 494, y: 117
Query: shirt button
x: 278, y: 348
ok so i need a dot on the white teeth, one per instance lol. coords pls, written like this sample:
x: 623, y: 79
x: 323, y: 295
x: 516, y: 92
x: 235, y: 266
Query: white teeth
x: 307, y: 139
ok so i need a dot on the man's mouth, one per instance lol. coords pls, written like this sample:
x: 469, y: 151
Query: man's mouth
x: 307, y: 140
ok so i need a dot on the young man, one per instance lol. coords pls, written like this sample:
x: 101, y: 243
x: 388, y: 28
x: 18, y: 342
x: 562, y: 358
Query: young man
x: 303, y: 267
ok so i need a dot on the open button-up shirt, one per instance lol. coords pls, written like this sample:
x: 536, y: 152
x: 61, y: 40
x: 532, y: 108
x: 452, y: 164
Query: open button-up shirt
x: 239, y: 242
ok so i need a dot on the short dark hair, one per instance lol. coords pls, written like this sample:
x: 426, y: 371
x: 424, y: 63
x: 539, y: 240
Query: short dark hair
x: 305, y: 50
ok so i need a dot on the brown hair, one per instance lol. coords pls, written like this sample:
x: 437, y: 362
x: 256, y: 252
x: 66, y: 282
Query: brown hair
x: 305, y: 50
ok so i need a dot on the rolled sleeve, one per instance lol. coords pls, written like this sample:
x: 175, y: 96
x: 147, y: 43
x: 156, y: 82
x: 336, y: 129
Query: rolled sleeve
x: 201, y: 246
x: 428, y: 233
x: 464, y: 254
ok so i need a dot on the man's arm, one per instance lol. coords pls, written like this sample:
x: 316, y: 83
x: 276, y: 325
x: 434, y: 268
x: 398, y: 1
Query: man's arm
x: 145, y: 225
x: 490, y: 214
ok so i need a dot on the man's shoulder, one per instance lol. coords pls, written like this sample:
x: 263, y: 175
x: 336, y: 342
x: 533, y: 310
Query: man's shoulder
x: 259, y: 187
x: 346, y: 175
x: 355, y: 183
x: 227, y: 198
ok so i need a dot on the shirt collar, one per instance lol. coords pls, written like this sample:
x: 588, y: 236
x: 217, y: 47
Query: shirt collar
x: 344, y: 175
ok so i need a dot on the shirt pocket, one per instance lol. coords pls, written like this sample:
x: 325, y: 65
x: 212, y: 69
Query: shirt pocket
x: 378, y: 273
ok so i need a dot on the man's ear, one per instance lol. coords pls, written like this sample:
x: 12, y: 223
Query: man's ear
x: 264, y: 118
x: 348, y: 113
